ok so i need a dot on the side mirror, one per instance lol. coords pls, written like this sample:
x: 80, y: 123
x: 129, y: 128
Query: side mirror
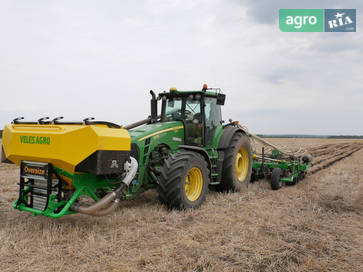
x: 220, y: 99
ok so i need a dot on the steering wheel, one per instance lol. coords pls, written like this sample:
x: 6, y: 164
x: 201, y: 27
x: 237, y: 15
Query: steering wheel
x: 188, y: 115
x: 177, y: 115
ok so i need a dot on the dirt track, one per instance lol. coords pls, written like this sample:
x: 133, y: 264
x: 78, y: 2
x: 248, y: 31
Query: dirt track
x: 313, y: 226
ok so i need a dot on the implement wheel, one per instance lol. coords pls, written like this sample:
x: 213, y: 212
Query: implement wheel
x: 184, y: 180
x: 276, y: 183
x: 237, y: 165
x: 294, y: 181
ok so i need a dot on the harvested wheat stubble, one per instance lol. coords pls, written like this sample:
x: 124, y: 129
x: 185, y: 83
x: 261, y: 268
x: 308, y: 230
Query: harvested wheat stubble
x: 327, y: 155
x: 314, y: 226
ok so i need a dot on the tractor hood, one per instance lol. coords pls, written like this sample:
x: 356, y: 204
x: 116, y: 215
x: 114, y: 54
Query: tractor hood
x: 151, y: 130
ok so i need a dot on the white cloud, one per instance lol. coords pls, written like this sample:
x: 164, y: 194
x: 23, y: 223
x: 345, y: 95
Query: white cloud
x: 92, y: 58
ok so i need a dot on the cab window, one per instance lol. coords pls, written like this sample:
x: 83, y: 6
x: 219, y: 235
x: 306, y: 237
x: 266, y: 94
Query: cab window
x: 173, y: 110
x: 213, y: 118
x: 193, y: 122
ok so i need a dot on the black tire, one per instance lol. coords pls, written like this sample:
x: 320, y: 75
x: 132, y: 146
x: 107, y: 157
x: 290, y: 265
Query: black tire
x: 276, y: 183
x: 302, y: 175
x: 175, y: 173
x: 307, y: 158
x: 296, y: 180
x: 231, y: 181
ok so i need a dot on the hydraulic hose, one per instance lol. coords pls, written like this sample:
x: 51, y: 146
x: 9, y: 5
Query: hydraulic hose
x: 107, y: 210
x: 301, y: 152
x: 136, y: 124
x: 102, y: 203
x: 101, y: 208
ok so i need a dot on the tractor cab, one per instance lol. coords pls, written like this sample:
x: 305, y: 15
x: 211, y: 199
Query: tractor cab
x: 200, y: 112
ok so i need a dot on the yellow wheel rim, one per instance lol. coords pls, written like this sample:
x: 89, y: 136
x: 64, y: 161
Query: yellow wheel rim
x: 242, y: 164
x: 193, y: 184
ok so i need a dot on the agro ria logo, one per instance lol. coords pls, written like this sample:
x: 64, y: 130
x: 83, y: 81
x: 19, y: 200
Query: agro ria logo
x: 340, y: 20
x: 317, y: 20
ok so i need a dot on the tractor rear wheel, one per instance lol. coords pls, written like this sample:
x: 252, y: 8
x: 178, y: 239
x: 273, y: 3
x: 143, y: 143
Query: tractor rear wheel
x: 183, y: 181
x: 237, y: 165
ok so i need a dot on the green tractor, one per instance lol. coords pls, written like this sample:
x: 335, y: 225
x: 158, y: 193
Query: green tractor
x: 181, y: 152
x: 187, y: 148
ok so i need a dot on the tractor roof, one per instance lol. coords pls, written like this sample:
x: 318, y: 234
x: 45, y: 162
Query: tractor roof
x: 205, y: 91
x: 210, y: 92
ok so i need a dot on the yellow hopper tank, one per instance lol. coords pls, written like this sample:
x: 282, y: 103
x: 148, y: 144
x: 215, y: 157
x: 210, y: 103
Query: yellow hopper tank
x: 95, y: 149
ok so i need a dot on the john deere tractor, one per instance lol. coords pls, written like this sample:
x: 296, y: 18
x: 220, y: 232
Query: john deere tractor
x: 181, y: 151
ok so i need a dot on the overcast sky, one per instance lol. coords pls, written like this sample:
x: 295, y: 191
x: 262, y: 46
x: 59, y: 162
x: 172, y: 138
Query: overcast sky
x: 84, y: 58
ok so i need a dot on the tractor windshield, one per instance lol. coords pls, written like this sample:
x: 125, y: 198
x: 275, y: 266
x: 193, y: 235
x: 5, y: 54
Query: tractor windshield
x: 183, y: 109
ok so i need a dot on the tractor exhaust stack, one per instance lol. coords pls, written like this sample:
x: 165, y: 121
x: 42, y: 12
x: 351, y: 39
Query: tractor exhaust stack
x: 154, y: 107
x: 152, y: 118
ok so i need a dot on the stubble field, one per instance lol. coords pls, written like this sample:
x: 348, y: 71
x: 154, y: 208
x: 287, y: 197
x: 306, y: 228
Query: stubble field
x: 316, y: 225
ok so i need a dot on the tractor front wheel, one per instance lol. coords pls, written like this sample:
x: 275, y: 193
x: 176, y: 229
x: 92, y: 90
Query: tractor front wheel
x: 183, y: 181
